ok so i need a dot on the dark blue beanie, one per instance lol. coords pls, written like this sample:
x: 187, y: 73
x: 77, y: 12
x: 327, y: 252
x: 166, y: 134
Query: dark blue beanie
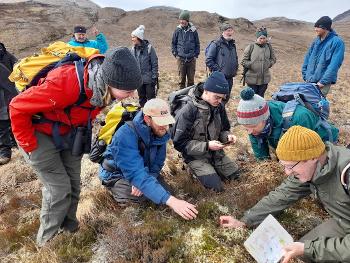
x: 216, y: 83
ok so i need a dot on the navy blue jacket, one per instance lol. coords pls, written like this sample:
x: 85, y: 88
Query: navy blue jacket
x: 323, y: 59
x: 222, y: 56
x: 185, y: 42
x: 140, y: 171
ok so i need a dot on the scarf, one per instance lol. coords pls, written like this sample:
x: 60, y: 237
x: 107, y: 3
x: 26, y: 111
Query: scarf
x: 96, y: 83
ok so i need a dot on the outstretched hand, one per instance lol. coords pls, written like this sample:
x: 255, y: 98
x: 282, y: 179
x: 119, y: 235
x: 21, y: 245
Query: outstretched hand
x: 135, y: 191
x: 184, y: 209
x: 230, y: 222
x: 292, y: 251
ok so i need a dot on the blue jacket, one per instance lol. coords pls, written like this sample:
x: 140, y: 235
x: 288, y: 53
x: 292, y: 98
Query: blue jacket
x: 100, y: 43
x: 222, y: 56
x: 185, y: 42
x: 123, y: 153
x: 323, y: 59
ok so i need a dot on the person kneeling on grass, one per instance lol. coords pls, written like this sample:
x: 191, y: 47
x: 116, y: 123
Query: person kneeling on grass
x: 133, y: 161
x: 314, y: 167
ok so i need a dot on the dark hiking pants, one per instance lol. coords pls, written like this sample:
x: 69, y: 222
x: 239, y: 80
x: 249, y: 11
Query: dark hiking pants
x: 121, y: 190
x: 259, y: 89
x: 186, y: 69
x: 146, y: 92
x: 209, y: 173
x: 230, y: 84
x: 5, y: 138
x: 59, y: 172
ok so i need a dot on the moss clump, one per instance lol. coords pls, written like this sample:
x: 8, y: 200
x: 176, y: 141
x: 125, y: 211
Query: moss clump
x: 76, y: 247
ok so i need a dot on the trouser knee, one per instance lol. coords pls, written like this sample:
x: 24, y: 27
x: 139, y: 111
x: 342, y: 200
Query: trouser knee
x: 212, y: 181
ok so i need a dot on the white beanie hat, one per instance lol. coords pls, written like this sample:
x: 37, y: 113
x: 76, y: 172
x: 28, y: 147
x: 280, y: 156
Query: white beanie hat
x: 139, y: 32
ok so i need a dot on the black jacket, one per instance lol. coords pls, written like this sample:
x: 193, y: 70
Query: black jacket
x: 196, y: 124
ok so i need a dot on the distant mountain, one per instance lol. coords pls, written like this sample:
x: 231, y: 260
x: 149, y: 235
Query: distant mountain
x: 344, y: 17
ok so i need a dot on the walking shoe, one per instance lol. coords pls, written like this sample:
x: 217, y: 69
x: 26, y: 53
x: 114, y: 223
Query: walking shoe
x: 4, y: 160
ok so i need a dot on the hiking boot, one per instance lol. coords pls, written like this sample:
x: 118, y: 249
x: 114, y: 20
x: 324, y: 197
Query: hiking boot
x: 4, y: 160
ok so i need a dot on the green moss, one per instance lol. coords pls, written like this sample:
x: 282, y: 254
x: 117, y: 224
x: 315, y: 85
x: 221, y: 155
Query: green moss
x: 76, y: 247
x: 209, y: 243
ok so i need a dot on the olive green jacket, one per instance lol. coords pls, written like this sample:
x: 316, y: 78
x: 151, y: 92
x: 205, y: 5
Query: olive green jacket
x: 326, y: 185
x: 258, y: 60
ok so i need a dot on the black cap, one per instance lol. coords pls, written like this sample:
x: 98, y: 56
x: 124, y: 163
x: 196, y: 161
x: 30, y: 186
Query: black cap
x: 324, y: 22
x: 79, y: 29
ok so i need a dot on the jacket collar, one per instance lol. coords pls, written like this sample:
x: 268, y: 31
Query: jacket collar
x: 190, y: 27
x: 323, y: 173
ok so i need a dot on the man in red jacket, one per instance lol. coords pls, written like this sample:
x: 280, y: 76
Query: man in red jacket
x: 47, y: 144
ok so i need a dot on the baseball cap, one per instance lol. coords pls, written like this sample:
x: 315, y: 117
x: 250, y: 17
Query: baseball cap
x: 159, y: 111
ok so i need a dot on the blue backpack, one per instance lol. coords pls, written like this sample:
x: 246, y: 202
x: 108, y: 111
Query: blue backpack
x: 307, y: 95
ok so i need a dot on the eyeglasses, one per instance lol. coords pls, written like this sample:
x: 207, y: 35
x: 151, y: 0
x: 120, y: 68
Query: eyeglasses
x: 290, y: 167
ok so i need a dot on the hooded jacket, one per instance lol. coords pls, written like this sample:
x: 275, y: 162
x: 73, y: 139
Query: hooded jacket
x: 185, y: 42
x: 141, y: 171
x: 51, y: 97
x: 323, y: 59
x: 100, y: 43
x: 327, y: 187
x: 196, y: 124
x: 302, y: 116
x: 258, y: 59
x: 146, y: 55
x: 222, y: 56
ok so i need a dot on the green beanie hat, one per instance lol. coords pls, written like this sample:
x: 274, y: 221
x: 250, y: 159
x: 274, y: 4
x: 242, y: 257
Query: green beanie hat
x: 261, y: 32
x: 184, y: 15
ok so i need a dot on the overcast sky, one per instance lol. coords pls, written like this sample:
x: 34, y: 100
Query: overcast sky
x: 307, y: 10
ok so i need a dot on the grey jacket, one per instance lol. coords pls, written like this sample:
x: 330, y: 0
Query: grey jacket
x: 222, y: 56
x: 185, y: 42
x: 327, y: 187
x: 196, y: 124
x: 258, y: 60
x: 148, y: 61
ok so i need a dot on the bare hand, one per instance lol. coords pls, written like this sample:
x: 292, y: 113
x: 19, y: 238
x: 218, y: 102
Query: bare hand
x: 231, y: 139
x: 182, y: 208
x: 230, y: 222
x: 292, y: 251
x: 135, y: 191
x: 94, y: 31
x: 320, y: 85
x: 215, y: 145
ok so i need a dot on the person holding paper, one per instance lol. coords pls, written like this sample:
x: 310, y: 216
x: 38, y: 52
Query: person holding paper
x: 312, y: 166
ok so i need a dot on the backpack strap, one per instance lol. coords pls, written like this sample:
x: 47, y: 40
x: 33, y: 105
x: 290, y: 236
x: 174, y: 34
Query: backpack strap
x: 141, y: 144
x: 344, y: 178
x: 287, y: 115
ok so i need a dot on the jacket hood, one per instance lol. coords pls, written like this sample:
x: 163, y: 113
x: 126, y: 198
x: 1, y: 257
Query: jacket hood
x: 145, y: 132
x: 322, y: 173
x: 190, y: 27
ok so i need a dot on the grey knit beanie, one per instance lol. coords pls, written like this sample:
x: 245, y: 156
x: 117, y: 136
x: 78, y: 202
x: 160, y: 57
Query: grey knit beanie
x: 224, y: 26
x: 120, y: 69
x: 252, y: 109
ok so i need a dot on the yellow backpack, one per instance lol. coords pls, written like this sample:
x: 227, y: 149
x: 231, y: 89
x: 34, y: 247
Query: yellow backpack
x: 118, y: 115
x: 27, y: 71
